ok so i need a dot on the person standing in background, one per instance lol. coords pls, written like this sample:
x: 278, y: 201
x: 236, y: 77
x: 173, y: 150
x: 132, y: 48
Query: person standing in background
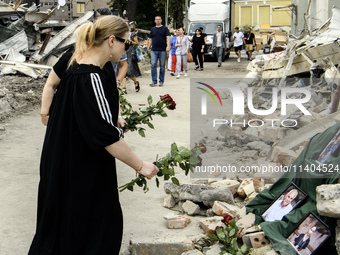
x: 133, y: 69
x: 159, y: 41
x: 169, y: 58
x: 205, y: 42
x: 182, y: 51
x: 198, y: 49
x: 250, y: 42
x: 238, y: 43
x: 219, y: 44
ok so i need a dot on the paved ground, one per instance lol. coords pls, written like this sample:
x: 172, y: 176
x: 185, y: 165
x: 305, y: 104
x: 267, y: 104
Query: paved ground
x: 20, y: 148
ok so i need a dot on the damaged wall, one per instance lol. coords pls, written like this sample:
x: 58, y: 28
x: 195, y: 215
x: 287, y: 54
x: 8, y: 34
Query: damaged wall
x: 320, y: 12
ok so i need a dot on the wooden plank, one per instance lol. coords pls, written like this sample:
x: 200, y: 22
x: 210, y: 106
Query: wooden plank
x: 61, y: 36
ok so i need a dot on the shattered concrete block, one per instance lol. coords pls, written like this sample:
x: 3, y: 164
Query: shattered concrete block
x: 193, y: 252
x: 256, y: 182
x: 210, y: 213
x: 170, y: 216
x: 245, y: 182
x: 252, y: 196
x: 156, y: 246
x: 252, y: 131
x: 190, y: 192
x: 258, y: 239
x: 169, y: 201
x: 249, y: 189
x: 265, y: 250
x: 222, y: 209
x: 246, y: 222
x: 232, y: 185
x: 209, y: 224
x: 283, y: 156
x: 241, y: 212
x: 213, y: 250
x: 328, y: 200
x: 208, y: 197
x: 178, y: 222
x: 262, y: 147
x: 191, y: 208
x: 250, y: 154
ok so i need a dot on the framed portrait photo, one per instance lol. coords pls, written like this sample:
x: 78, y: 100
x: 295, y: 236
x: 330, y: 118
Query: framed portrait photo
x: 290, y: 198
x: 309, y: 235
x: 331, y: 149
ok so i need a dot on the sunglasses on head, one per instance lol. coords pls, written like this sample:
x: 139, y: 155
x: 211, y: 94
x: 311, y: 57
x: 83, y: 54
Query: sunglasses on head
x: 126, y: 42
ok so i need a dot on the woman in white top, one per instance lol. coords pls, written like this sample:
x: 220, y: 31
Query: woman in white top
x: 182, y: 51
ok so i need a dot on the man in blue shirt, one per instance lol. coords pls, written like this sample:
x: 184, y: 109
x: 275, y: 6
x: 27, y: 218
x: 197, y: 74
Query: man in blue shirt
x: 159, y: 42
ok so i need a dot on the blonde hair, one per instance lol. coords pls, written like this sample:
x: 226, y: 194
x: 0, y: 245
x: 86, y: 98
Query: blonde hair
x: 92, y: 35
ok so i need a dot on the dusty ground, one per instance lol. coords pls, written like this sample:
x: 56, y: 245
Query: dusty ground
x: 20, y: 148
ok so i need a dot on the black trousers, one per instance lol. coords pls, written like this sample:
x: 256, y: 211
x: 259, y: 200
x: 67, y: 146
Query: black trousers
x: 198, y: 54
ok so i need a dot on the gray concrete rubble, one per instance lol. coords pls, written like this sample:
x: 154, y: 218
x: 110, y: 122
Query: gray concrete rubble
x: 328, y: 200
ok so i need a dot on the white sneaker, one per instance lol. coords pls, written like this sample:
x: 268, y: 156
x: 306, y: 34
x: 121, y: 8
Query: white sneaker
x: 239, y: 60
x: 186, y: 75
x: 177, y: 77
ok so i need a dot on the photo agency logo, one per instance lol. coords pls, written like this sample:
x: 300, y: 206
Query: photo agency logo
x: 239, y: 97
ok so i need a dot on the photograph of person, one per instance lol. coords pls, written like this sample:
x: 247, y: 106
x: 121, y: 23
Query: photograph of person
x: 309, y: 235
x: 285, y: 203
x: 331, y: 149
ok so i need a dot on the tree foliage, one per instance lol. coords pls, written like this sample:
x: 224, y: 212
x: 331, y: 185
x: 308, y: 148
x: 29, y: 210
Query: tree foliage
x: 144, y: 11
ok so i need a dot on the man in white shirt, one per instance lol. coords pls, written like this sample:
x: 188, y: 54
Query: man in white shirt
x: 219, y: 44
x: 281, y: 207
x: 238, y: 42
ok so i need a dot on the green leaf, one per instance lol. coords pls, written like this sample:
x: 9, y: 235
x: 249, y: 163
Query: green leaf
x: 234, y: 243
x: 185, y: 152
x: 244, y: 248
x: 232, y: 232
x: 130, y: 188
x: 150, y: 125
x: 220, y: 233
x: 134, y: 116
x: 178, y: 158
x: 163, y: 114
x: 157, y: 182
x: 232, y: 223
x: 174, y: 148
x: 238, y: 253
x: 213, y: 237
x: 141, y: 133
x: 150, y: 100
x: 166, y: 177
x: 175, y: 181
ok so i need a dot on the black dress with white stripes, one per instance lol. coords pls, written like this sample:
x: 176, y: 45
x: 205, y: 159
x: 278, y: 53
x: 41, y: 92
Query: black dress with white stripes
x: 78, y: 205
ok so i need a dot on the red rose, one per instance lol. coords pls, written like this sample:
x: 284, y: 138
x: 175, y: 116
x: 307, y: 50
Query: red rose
x: 166, y: 97
x: 203, y: 148
x: 171, y: 105
x: 227, y: 219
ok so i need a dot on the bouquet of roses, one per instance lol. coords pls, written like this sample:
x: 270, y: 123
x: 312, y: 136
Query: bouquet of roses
x: 144, y: 115
x: 178, y: 156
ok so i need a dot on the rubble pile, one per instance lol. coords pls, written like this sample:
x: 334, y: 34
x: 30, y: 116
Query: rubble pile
x: 309, y: 62
x: 19, y: 94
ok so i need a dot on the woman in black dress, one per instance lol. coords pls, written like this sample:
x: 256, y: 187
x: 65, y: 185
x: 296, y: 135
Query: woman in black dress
x: 78, y: 204
x: 198, y: 49
x: 133, y: 69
